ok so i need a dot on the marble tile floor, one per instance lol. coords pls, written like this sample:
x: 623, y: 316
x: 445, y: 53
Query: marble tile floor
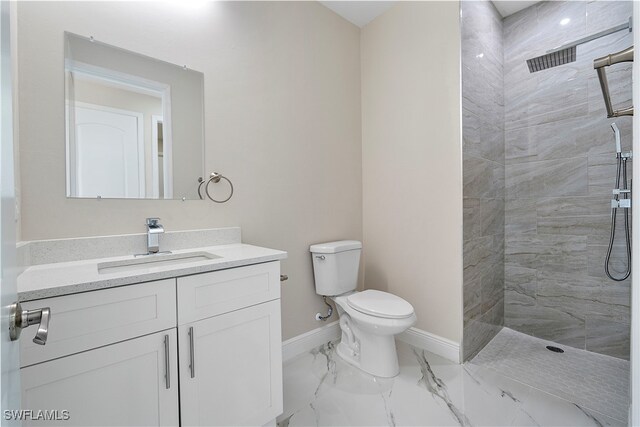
x: 594, y: 381
x: 320, y: 389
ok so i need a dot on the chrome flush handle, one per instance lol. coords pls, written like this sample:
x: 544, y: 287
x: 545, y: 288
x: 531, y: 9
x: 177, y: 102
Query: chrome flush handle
x: 20, y: 319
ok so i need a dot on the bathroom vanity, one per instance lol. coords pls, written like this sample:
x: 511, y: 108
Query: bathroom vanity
x: 190, y: 340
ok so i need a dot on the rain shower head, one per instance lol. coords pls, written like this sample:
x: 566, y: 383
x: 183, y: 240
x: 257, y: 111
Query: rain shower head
x: 567, y: 52
x: 553, y: 59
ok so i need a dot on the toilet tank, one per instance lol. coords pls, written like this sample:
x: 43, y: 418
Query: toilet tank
x: 335, y: 266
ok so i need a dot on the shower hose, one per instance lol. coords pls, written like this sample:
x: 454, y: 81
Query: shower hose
x: 621, y: 169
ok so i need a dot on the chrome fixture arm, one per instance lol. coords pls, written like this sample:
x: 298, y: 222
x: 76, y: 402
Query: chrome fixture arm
x: 626, y: 25
x: 567, y: 52
x: 599, y: 65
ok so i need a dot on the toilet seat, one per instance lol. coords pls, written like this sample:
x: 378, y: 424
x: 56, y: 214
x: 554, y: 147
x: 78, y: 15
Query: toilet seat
x: 380, y: 304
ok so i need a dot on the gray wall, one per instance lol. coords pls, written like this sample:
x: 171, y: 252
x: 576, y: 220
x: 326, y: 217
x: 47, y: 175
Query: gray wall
x: 560, y: 169
x: 483, y: 174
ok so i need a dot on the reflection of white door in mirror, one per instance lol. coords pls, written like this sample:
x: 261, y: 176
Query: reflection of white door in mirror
x: 109, y: 153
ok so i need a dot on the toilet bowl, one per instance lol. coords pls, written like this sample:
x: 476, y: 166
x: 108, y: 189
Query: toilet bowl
x: 369, y: 320
x: 368, y: 339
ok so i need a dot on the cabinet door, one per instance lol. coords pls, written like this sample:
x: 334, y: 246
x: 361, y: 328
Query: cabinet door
x: 231, y: 368
x: 88, y: 320
x: 123, y: 384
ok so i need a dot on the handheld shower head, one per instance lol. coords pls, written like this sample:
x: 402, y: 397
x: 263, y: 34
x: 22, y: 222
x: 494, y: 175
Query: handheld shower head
x: 616, y: 131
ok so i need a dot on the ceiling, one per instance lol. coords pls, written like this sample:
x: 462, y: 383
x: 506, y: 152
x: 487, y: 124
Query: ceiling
x: 507, y: 8
x: 361, y: 13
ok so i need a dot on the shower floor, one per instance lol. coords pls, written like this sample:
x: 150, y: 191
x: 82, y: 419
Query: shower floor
x: 595, y: 382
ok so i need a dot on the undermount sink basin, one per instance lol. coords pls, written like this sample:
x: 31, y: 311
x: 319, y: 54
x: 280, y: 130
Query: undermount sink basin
x: 149, y: 261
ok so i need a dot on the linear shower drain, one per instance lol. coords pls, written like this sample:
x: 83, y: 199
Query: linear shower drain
x: 555, y: 349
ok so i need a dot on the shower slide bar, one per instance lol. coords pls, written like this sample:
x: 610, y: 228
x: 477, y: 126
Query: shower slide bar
x: 599, y: 65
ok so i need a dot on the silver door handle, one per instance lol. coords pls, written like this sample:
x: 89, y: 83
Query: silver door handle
x: 20, y: 319
x: 167, y: 365
x: 192, y: 361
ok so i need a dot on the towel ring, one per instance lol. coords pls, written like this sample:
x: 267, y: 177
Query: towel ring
x: 215, y: 178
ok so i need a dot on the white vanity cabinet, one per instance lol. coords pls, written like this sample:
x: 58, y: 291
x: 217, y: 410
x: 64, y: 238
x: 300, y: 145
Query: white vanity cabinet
x: 230, y: 346
x: 132, y: 383
x: 197, y: 350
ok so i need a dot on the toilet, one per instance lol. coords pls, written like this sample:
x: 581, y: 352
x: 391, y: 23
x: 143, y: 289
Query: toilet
x: 370, y: 319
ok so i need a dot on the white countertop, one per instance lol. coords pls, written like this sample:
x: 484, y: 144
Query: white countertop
x: 64, y: 278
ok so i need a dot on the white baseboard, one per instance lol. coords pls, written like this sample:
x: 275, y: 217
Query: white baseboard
x: 444, y: 347
x: 306, y: 342
x: 309, y: 340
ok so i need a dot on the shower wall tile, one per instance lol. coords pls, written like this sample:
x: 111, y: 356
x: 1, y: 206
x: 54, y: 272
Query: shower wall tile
x: 590, y: 225
x: 580, y: 297
x: 477, y: 254
x: 492, y: 281
x: 492, y: 217
x: 602, y: 15
x: 564, y: 177
x: 520, y: 216
x: 546, y: 251
x: 521, y: 280
x: 480, y: 331
x: 607, y: 337
x: 561, y: 96
x: 546, y: 323
x: 472, y: 301
x: 548, y: 141
x: 483, y: 173
x: 471, y: 218
x: 602, y: 173
x: 545, y: 113
x: 560, y: 170
x: 617, y: 265
x: 481, y: 139
x: 482, y: 178
x: 572, y: 206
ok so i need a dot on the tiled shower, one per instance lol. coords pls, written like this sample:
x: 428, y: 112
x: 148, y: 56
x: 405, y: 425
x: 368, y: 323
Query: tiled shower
x: 539, y: 167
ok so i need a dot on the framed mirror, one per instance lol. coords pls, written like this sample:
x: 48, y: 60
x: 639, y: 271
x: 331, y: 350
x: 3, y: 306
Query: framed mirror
x: 134, y: 124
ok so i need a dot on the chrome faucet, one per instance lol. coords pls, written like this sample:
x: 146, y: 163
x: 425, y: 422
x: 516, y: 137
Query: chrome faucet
x: 154, y: 230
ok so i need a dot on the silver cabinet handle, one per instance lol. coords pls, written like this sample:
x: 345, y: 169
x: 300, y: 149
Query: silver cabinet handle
x: 41, y: 316
x: 167, y: 365
x: 192, y: 362
x: 20, y: 319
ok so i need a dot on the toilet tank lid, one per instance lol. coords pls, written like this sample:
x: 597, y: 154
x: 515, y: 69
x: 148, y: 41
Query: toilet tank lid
x: 335, y: 247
